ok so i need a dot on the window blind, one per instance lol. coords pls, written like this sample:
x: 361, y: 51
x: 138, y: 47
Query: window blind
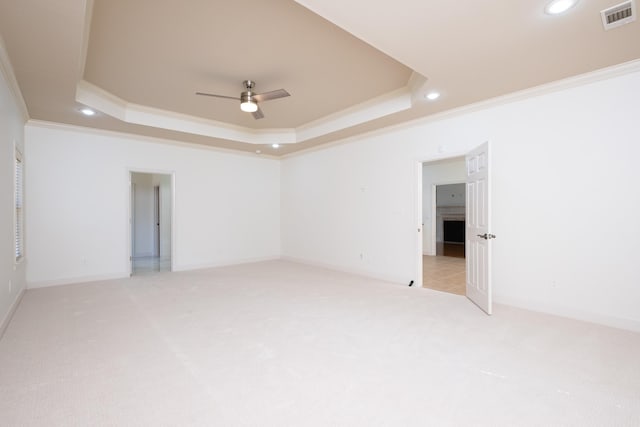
x: 18, y: 196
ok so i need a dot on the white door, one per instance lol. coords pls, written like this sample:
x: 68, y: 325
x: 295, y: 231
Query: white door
x: 478, y: 238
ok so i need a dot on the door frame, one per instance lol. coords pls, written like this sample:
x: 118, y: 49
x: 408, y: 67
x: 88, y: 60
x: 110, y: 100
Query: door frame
x: 418, y: 205
x: 130, y: 212
x: 156, y: 221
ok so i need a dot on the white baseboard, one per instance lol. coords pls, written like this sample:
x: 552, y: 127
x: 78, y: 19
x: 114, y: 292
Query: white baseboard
x: 71, y: 280
x: 342, y: 269
x: 571, y: 313
x: 601, y: 319
x: 9, y: 315
x: 189, y: 267
x: 615, y: 322
x: 126, y: 274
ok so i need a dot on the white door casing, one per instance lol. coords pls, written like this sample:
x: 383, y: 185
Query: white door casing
x: 156, y: 220
x: 478, y: 221
x: 132, y: 227
x: 168, y: 235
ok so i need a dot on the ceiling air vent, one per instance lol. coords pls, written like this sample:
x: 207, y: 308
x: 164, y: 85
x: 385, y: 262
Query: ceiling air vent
x: 619, y: 15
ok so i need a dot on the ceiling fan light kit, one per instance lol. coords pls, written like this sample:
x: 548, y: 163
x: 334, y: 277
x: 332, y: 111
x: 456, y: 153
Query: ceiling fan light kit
x: 247, y: 104
x: 249, y: 100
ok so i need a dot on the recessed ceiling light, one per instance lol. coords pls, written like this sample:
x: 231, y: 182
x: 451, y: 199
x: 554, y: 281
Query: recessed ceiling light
x: 432, y: 96
x: 87, y: 112
x: 258, y: 151
x: 556, y: 7
x: 275, y: 145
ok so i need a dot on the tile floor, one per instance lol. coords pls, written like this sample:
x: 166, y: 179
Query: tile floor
x: 444, y: 273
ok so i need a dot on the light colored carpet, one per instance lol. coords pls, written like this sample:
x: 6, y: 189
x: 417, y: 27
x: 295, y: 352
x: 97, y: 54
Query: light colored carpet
x: 282, y: 344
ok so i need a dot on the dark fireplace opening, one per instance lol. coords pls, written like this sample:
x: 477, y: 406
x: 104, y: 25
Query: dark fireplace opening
x: 454, y: 231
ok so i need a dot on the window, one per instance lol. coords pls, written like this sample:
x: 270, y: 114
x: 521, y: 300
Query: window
x: 19, y: 215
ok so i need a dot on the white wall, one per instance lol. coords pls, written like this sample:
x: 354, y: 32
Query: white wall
x: 564, y: 183
x: 227, y: 206
x: 440, y: 172
x: 12, y: 274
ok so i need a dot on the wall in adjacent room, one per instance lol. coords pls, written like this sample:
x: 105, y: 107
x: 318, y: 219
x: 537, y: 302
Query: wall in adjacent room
x: 448, y: 171
x: 450, y: 195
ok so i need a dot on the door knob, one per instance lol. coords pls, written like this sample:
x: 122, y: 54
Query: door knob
x: 487, y: 236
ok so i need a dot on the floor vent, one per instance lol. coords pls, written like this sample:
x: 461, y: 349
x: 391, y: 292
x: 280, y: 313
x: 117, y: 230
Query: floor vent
x: 619, y: 15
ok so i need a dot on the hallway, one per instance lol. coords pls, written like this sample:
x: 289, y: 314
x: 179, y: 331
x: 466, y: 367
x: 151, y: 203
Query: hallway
x: 150, y: 265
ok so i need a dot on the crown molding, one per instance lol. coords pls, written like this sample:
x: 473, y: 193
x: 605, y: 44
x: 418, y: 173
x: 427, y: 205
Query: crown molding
x: 114, y: 106
x: 142, y: 138
x: 607, y: 73
x: 372, y: 109
x: 86, y: 32
x: 9, y: 76
x: 101, y: 100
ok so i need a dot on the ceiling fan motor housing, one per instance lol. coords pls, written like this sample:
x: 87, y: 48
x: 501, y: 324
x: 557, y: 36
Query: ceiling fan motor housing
x: 247, y: 96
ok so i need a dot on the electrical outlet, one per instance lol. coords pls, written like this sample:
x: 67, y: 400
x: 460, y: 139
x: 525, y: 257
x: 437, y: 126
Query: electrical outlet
x: 10, y: 286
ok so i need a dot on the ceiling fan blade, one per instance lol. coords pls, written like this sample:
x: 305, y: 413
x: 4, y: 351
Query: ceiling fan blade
x: 258, y: 114
x: 218, y: 96
x: 274, y: 94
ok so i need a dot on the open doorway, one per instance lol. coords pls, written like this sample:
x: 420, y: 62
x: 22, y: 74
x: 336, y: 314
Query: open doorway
x: 475, y: 168
x: 443, y: 218
x: 151, y: 214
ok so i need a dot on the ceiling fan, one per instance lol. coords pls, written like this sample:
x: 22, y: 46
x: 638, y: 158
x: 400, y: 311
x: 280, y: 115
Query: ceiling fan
x: 249, y: 100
